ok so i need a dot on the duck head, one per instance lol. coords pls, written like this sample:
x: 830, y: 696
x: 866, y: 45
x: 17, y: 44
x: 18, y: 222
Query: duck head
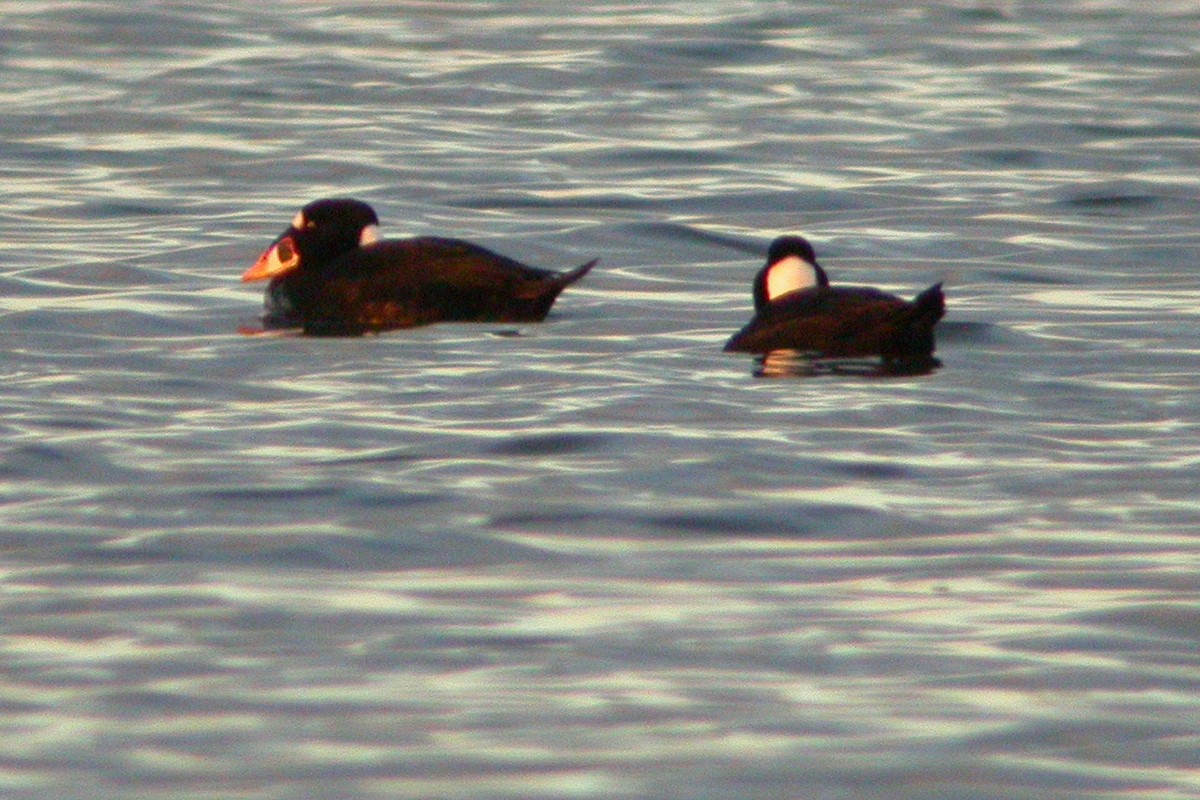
x: 791, y: 267
x: 322, y: 231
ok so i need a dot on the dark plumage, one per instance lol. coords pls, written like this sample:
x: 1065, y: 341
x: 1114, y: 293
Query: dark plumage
x: 331, y: 275
x: 797, y: 309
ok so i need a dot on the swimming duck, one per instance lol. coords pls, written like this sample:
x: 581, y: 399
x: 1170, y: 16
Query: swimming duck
x: 331, y: 274
x: 796, y: 309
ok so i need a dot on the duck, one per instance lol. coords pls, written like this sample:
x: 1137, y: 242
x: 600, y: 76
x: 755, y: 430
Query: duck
x: 796, y: 309
x: 330, y: 273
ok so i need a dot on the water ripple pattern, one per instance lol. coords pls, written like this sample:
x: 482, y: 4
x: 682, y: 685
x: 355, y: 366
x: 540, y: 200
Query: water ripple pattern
x: 597, y: 557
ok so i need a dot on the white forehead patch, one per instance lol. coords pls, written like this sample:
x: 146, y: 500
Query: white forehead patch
x: 790, y: 274
x: 298, y: 222
x: 369, y: 235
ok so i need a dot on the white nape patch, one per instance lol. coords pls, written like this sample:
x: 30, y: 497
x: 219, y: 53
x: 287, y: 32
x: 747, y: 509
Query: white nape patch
x: 298, y: 222
x: 790, y: 274
x: 369, y: 235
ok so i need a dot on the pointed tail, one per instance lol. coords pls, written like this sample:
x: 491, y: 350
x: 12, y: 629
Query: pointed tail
x: 564, y: 279
x: 928, y: 307
x: 541, y: 293
x: 913, y: 340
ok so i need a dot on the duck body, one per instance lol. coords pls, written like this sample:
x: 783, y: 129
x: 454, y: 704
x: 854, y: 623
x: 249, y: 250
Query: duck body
x: 797, y: 309
x: 848, y: 322
x: 331, y: 275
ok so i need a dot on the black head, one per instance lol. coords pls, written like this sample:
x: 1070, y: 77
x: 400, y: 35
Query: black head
x: 321, y: 232
x: 786, y: 246
x: 791, y: 267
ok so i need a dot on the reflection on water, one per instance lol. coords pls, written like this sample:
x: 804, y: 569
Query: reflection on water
x: 797, y: 364
x: 595, y: 557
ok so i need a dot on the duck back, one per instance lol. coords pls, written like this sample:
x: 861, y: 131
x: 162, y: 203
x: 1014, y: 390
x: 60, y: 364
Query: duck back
x: 845, y: 322
x: 405, y: 283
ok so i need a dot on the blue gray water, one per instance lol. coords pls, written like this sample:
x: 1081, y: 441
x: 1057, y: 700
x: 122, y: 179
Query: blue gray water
x: 597, y: 557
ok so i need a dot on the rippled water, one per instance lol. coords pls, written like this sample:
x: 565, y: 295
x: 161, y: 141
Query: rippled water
x: 598, y: 557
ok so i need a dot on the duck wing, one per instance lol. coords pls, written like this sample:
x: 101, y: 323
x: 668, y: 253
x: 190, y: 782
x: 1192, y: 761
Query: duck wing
x: 835, y: 322
x: 409, y: 282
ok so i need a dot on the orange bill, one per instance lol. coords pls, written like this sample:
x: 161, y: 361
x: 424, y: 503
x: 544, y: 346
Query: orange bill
x: 279, y: 259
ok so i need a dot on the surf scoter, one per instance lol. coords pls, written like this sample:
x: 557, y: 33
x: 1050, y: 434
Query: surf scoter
x: 331, y: 274
x: 796, y: 309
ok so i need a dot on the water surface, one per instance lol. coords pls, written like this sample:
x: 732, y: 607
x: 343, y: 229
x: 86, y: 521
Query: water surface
x: 597, y: 557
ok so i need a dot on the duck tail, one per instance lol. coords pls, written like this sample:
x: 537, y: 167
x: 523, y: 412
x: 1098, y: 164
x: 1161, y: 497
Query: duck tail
x: 913, y: 341
x: 564, y: 279
x: 928, y: 307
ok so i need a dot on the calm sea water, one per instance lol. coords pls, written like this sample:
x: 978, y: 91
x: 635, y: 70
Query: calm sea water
x: 597, y: 557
